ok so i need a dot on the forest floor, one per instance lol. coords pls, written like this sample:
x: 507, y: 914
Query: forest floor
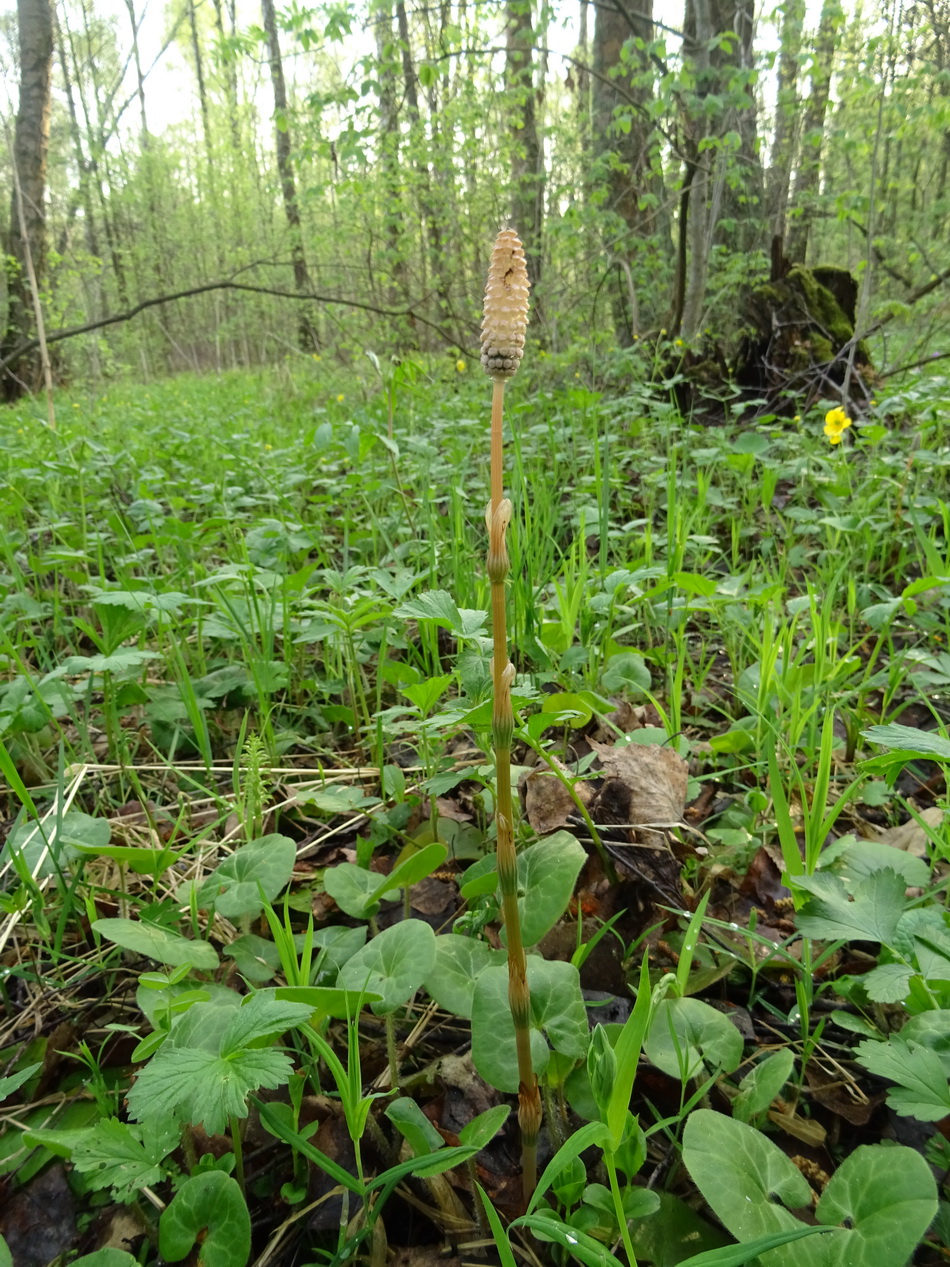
x: 253, y: 993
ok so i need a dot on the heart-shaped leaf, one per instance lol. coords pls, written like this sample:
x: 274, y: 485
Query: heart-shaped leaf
x: 688, y: 1037
x: 557, y: 1012
x: 458, y: 962
x: 234, y: 887
x: 157, y: 943
x: 393, y: 965
x: 882, y: 1197
x: 209, y: 1210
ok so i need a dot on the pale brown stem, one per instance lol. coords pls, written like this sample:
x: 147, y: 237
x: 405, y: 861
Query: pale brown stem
x: 497, y: 442
x: 529, y: 1096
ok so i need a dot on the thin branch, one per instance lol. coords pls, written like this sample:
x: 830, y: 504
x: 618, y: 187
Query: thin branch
x: 117, y: 318
x: 891, y: 269
x: 913, y: 365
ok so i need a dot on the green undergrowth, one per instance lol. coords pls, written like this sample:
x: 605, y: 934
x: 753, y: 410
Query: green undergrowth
x: 245, y: 712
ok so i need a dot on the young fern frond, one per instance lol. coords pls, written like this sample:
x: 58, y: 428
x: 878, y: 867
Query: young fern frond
x: 503, y: 331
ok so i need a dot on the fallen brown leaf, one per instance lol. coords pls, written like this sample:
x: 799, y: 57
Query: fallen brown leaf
x: 546, y: 802
x: 645, y: 784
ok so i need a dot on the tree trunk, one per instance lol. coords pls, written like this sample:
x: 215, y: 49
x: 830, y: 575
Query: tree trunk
x: 623, y: 140
x: 202, y: 98
x: 737, y: 214
x: 139, y: 77
x: 386, y: 54
x: 226, y: 58
x: 96, y: 138
x: 786, y: 128
x: 427, y: 207
x: 697, y: 37
x: 809, y: 164
x: 285, y: 168
x: 527, y: 159
x: 27, y: 237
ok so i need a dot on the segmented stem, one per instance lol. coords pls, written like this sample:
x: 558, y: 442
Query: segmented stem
x: 506, y: 313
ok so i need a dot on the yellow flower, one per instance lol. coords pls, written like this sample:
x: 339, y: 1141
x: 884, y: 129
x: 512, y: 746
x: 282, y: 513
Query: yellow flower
x: 836, y: 423
x: 797, y: 418
x: 341, y: 398
x: 316, y: 356
x: 678, y: 343
x: 460, y: 365
x: 267, y: 448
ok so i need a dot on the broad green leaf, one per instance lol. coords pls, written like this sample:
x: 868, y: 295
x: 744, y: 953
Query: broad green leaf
x: 410, y: 1121
x: 626, y: 671
x: 234, y: 888
x: 415, y: 866
x: 693, y: 583
x: 256, y: 958
x: 75, y: 830
x: 333, y: 946
x: 439, y: 605
x: 179, y: 999
x: 557, y: 1012
x: 393, y: 965
x: 327, y: 1000
x: 675, y: 1231
x: 12, y: 1081
x: 888, y: 982
x: 547, y: 1226
x: 458, y: 961
x: 341, y: 799
x: 157, y: 943
x: 358, y: 892
x: 742, y: 1255
x: 884, y: 1195
x: 355, y: 890
x: 872, y: 915
x: 922, y: 1090
x: 261, y: 1016
x: 99, y: 1258
x: 762, y: 1084
x: 547, y: 873
x: 859, y: 861
x: 910, y: 741
x: 197, y: 1086
x: 124, y: 1158
x: 932, y: 1030
x: 746, y: 1180
x: 688, y: 1038
x: 481, y: 1130
x: 425, y: 694
x: 141, y: 600
x: 209, y: 1210
x: 127, y: 659
x: 142, y: 860
x: 58, y: 1140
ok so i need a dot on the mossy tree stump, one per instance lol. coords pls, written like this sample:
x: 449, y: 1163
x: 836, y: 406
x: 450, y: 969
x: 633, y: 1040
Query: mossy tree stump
x: 798, y: 332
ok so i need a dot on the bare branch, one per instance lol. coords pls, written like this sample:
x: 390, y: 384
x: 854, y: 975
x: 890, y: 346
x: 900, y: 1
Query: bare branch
x: 117, y: 318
